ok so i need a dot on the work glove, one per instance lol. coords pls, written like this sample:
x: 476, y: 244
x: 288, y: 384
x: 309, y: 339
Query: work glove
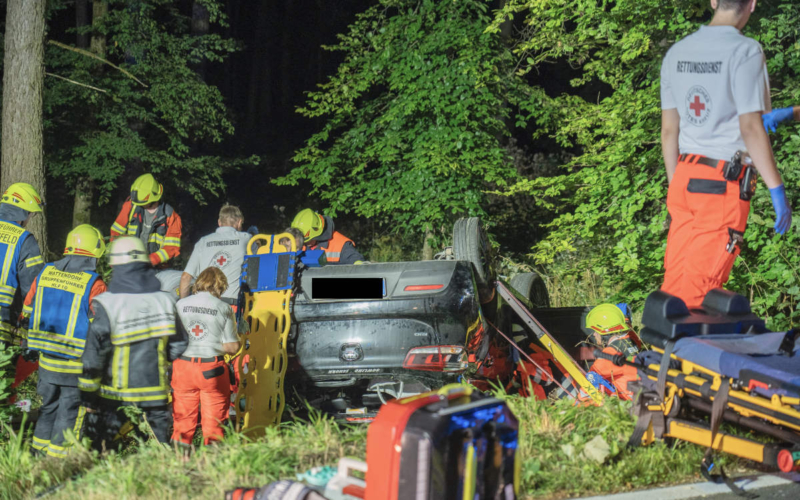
x: 776, y: 117
x: 783, y: 212
x: 252, y: 230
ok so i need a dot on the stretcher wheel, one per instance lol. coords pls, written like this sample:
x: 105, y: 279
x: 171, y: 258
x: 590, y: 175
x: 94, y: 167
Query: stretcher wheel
x: 786, y: 461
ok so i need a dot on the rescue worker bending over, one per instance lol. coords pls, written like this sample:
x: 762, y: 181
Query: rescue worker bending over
x: 155, y: 223
x: 714, y: 89
x: 58, y: 308
x: 131, y: 340
x: 318, y: 233
x: 22, y: 260
x: 778, y: 116
x: 201, y: 377
x: 611, y: 332
x: 224, y: 249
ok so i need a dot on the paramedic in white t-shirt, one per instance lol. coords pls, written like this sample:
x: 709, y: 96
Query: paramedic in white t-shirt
x: 714, y: 90
x: 224, y: 249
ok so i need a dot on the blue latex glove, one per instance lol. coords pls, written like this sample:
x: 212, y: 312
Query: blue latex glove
x: 252, y: 230
x: 776, y: 117
x: 783, y: 212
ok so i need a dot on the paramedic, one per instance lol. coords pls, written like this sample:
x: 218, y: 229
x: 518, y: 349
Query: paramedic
x: 155, y: 223
x: 131, y: 340
x: 59, y: 308
x: 224, y: 249
x: 319, y: 233
x: 22, y: 259
x: 714, y: 89
x: 200, y: 377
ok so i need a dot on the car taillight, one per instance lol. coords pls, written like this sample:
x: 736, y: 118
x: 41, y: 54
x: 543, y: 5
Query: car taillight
x: 422, y: 288
x: 444, y: 358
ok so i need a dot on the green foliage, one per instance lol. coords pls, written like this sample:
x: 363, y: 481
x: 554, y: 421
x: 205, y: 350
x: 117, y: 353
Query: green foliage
x: 609, y: 200
x: 414, y: 116
x: 151, y: 124
x: 7, y: 370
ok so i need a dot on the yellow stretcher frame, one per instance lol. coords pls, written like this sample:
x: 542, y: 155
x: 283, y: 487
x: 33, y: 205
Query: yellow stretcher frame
x: 766, y: 409
x: 262, y: 362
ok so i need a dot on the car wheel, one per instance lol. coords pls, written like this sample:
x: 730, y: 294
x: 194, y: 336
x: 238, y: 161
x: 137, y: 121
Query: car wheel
x: 471, y: 244
x: 532, y: 287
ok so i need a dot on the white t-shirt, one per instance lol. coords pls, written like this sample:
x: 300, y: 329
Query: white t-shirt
x: 209, y: 323
x: 225, y: 248
x: 712, y: 76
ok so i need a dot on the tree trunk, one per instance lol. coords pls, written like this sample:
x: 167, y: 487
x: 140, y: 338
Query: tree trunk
x: 200, y: 27
x: 427, y: 249
x: 81, y: 20
x: 23, y: 81
x: 84, y: 187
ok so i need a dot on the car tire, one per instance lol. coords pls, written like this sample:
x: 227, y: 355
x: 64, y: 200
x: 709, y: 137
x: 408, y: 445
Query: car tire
x: 532, y: 287
x: 471, y: 244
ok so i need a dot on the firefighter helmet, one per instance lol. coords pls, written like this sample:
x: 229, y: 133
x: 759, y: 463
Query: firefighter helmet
x: 24, y: 196
x: 145, y: 190
x: 310, y: 223
x: 85, y: 240
x: 127, y: 249
x: 606, y: 319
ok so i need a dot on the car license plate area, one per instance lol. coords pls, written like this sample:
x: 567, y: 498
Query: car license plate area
x: 348, y: 288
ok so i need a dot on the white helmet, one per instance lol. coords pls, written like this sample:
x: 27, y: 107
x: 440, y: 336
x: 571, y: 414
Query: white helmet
x: 127, y: 249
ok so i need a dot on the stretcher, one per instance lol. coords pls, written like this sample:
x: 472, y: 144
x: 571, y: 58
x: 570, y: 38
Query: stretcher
x: 713, y: 365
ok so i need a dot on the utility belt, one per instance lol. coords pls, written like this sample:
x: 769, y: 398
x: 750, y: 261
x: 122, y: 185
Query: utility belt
x: 212, y: 359
x: 740, y: 168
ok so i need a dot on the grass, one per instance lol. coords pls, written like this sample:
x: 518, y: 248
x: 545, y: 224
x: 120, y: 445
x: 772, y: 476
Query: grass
x: 553, y: 438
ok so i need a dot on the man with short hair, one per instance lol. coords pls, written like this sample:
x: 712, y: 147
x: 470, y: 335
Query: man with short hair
x: 714, y: 90
x: 225, y: 249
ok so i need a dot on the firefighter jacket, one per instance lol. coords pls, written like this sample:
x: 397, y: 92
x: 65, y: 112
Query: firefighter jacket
x: 339, y: 249
x: 131, y: 341
x: 164, y: 240
x: 58, y: 308
x: 21, y: 263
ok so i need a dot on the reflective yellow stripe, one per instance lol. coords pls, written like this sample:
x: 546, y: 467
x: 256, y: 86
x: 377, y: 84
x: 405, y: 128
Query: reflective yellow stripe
x: 37, y: 306
x: 44, y: 345
x: 117, y: 228
x: 56, y: 338
x: 143, y: 334
x: 162, y: 361
x: 6, y: 301
x: 60, y: 365
x: 74, y: 311
x: 54, y: 450
x: 172, y: 241
x: 34, y: 261
x: 39, y: 444
x: 116, y: 368
x: 27, y: 310
x: 11, y: 230
x: 126, y: 365
x: 156, y: 238
x: 89, y: 384
x: 138, y: 394
x: 163, y: 255
x: 77, y: 429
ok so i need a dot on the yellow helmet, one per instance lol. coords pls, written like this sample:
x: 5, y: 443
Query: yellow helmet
x: 85, y: 240
x: 127, y: 249
x: 310, y: 223
x: 606, y: 319
x: 146, y: 189
x: 24, y: 196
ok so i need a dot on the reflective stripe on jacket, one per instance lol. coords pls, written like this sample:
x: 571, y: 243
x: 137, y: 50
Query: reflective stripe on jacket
x: 11, y: 238
x: 164, y: 241
x: 333, y: 247
x: 60, y: 314
x: 134, y: 317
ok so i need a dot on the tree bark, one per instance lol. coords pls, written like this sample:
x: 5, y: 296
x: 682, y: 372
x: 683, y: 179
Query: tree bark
x: 23, y: 81
x: 84, y: 187
x: 81, y: 20
x: 427, y: 249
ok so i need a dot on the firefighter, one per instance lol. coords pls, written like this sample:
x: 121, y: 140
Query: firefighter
x: 22, y: 260
x: 58, y: 309
x: 778, y: 116
x: 714, y: 90
x: 224, y: 249
x: 131, y: 341
x: 319, y: 233
x: 201, y: 377
x: 610, y: 331
x: 144, y: 216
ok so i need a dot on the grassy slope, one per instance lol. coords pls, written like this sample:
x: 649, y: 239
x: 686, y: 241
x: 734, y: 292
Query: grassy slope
x: 552, y: 443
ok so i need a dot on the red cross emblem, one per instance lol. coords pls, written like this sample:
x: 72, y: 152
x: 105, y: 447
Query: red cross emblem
x: 697, y: 106
x: 222, y: 260
x: 197, y: 330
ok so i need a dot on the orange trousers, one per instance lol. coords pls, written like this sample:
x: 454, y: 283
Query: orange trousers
x: 203, y: 387
x: 708, y: 223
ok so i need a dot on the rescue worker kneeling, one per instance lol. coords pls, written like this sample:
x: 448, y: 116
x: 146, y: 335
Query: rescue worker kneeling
x: 611, y: 332
x: 58, y: 309
x: 131, y: 340
x: 201, y: 377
